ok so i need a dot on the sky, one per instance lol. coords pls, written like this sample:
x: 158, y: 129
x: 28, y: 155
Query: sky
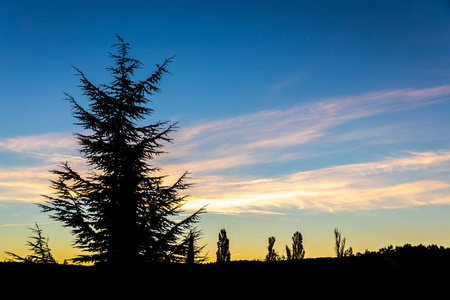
x: 293, y: 115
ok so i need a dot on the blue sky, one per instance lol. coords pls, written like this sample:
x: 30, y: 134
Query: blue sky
x: 294, y: 115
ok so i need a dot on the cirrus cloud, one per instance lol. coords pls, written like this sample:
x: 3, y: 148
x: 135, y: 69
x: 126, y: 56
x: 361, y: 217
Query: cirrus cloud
x: 220, y: 154
x: 408, y: 180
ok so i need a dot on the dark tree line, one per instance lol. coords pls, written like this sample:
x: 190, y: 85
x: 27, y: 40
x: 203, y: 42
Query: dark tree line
x: 298, y: 252
x: 295, y: 253
x: 399, y: 256
x: 409, y: 254
x: 122, y: 212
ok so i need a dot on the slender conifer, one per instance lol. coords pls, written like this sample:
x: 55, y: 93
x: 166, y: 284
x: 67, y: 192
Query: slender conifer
x: 223, y: 247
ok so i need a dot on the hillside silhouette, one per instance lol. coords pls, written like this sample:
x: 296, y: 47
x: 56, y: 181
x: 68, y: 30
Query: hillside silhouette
x: 390, y: 266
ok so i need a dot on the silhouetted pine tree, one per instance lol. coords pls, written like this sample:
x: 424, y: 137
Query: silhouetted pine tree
x: 121, y: 212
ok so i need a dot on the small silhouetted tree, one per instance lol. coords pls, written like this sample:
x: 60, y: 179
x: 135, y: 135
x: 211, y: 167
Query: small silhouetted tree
x: 288, y: 253
x: 298, y: 252
x: 39, y: 248
x: 190, y: 256
x: 271, y: 255
x: 339, y: 244
x: 223, y: 247
x: 193, y: 251
x: 121, y: 212
x: 348, y: 252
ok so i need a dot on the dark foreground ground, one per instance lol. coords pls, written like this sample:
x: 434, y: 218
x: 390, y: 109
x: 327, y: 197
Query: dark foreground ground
x: 347, y: 277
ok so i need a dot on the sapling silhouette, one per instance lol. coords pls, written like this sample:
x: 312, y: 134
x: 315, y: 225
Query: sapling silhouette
x: 193, y: 251
x: 288, y: 253
x: 271, y: 255
x: 190, y: 256
x: 339, y: 244
x: 39, y: 248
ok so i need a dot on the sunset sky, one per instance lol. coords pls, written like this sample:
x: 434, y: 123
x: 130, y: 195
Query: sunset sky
x: 293, y: 115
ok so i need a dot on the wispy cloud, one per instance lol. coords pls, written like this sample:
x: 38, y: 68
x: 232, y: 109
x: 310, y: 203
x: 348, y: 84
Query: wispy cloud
x: 42, y: 143
x: 54, y: 147
x: 287, y: 82
x: 261, y: 137
x: 211, y: 149
x: 217, y: 151
x: 28, y: 182
x: 402, y: 181
x: 25, y: 184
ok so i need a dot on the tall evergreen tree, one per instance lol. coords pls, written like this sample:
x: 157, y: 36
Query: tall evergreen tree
x: 121, y: 212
